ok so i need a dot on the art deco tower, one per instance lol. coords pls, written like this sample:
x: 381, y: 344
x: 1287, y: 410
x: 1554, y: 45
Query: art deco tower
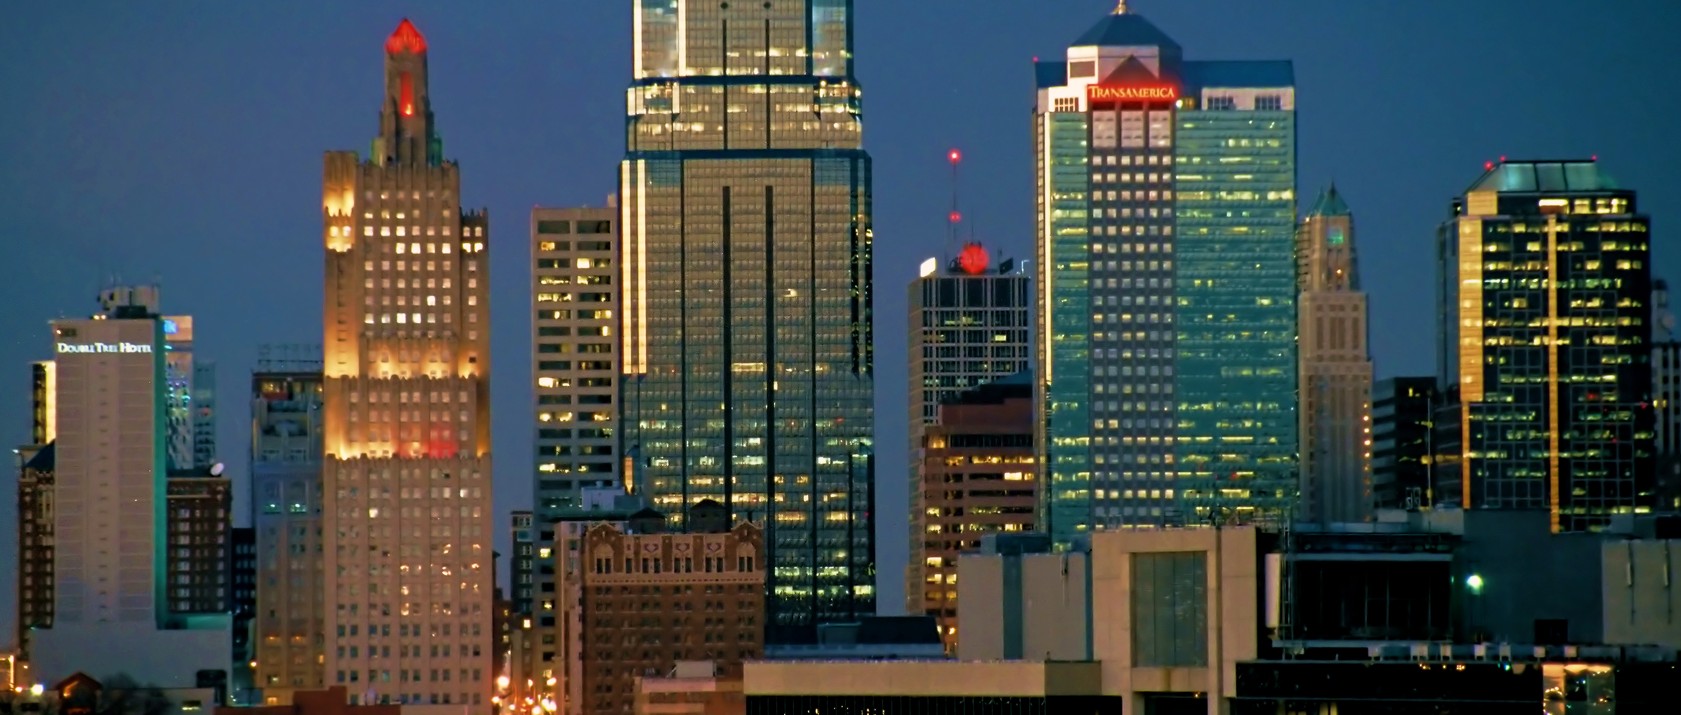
x: 747, y: 361
x: 1336, y: 369
x: 406, y: 473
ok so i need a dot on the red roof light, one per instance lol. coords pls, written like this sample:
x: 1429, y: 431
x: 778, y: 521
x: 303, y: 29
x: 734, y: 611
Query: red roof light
x: 974, y: 259
x: 405, y: 39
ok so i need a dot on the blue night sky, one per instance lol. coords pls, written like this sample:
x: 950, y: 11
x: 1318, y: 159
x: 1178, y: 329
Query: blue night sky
x: 181, y: 142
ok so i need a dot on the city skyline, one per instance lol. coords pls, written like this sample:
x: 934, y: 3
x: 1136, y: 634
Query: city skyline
x: 1399, y: 204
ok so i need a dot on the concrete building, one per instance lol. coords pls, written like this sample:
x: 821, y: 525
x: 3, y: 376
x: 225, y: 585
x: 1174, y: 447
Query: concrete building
x: 286, y: 449
x: 1025, y: 601
x: 977, y: 476
x: 1335, y: 375
x: 200, y: 533
x: 691, y: 688
x: 916, y: 687
x: 1170, y: 390
x: 1453, y: 611
x: 109, y: 510
x: 242, y: 584
x: 1536, y: 425
x: 1403, y: 411
x: 522, y: 564
x: 969, y: 325
x: 645, y: 601
x: 406, y: 478
x: 749, y: 357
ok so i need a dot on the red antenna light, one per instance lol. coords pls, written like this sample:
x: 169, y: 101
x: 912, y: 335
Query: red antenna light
x: 956, y: 217
x: 1488, y: 166
x: 1502, y: 158
x: 1594, y: 158
x: 955, y: 156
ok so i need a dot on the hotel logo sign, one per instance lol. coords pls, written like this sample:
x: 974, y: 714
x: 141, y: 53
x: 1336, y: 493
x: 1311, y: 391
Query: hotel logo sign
x: 1131, y: 93
x: 102, y: 348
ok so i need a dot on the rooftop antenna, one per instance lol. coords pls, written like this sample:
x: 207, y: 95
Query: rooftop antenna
x: 955, y: 217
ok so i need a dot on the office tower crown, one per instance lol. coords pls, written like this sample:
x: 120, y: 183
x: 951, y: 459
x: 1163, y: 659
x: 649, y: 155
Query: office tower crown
x: 406, y: 133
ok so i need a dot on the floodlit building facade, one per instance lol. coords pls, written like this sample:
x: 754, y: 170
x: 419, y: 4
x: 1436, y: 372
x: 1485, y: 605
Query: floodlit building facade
x: 1336, y: 368
x: 406, y: 494
x: 108, y: 548
x: 286, y: 449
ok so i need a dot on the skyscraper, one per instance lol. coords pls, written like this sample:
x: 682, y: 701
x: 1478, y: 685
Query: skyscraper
x: 1403, y: 410
x: 575, y: 298
x: 1336, y: 369
x: 108, y: 506
x: 1166, y: 283
x: 406, y: 497
x: 748, y: 359
x: 969, y: 325
x: 286, y: 451
x: 1666, y: 397
x: 1543, y: 291
x: 191, y: 394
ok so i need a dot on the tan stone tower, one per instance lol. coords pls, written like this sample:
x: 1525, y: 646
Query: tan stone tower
x: 1336, y: 368
x: 406, y: 498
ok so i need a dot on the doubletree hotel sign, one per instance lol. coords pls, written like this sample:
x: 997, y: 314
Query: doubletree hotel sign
x: 1132, y: 93
x: 98, y: 348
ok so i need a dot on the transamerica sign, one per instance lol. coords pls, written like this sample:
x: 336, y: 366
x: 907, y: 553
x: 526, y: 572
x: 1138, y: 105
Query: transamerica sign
x: 1131, y: 93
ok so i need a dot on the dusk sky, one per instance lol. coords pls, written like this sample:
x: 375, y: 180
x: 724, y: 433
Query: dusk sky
x: 181, y: 142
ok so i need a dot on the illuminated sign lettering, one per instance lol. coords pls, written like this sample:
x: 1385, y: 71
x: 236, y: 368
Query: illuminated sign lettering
x: 1131, y: 93
x: 100, y: 348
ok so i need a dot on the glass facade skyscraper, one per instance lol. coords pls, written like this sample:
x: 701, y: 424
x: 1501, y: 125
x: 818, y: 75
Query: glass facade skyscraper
x: 1544, y: 344
x: 1167, y: 282
x: 747, y: 334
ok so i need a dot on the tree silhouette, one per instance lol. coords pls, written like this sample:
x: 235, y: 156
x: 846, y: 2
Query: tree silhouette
x: 121, y: 695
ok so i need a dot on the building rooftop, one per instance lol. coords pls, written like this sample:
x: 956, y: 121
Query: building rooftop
x: 1330, y: 203
x: 1538, y: 176
x: 44, y: 460
x: 1123, y: 29
x: 1231, y: 74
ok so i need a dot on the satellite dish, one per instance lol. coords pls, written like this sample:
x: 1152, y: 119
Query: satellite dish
x: 217, y: 469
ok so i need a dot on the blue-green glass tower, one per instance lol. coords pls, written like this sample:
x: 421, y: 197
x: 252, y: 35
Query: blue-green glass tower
x: 1166, y: 260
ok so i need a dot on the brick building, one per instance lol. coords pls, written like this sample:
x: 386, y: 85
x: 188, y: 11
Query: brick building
x: 978, y: 478
x: 637, y: 602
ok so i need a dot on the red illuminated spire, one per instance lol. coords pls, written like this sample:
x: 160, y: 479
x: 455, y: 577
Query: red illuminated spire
x: 405, y: 39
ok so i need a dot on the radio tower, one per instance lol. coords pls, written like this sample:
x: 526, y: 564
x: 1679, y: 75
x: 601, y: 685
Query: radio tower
x: 955, y: 217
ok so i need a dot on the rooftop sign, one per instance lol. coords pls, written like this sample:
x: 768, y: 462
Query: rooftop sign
x: 97, y: 348
x: 1131, y: 93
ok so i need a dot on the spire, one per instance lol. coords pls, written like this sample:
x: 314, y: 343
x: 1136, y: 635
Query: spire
x: 406, y: 134
x: 1330, y: 203
x: 1120, y: 7
x: 406, y: 38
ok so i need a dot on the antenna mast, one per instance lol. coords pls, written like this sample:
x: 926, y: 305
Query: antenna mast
x: 955, y: 217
